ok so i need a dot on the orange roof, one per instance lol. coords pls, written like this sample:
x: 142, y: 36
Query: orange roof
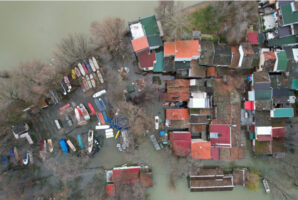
x: 201, y: 149
x: 140, y: 44
x: 182, y: 49
x: 211, y: 72
x: 269, y: 55
x: 187, y: 48
x: 169, y: 48
x: 178, y: 83
x: 177, y: 114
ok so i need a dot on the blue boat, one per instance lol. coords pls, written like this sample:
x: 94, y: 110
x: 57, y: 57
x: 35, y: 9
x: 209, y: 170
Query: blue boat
x: 105, y: 116
x: 80, y: 141
x: 100, y: 105
x: 87, y: 66
x: 64, y: 146
x: 12, y: 154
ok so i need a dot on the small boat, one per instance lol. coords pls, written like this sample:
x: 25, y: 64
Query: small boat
x: 91, y: 108
x: 77, y: 114
x: 30, y: 157
x: 50, y: 145
x: 95, y: 63
x: 92, y: 65
x: 88, y: 81
x: 92, y: 81
x: 80, y: 141
x: 73, y: 74
x: 90, y: 141
x: 100, y: 76
x: 71, y: 146
x: 85, y: 68
x: 81, y: 68
x: 85, y: 83
x: 16, y: 154
x: 25, y: 156
x: 63, y: 146
x: 88, y: 66
x: 101, y: 119
x: 266, y: 185
x: 77, y: 71
x: 12, y: 154
x: 84, y: 112
x: 67, y: 82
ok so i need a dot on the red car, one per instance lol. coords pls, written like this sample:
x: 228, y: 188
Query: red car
x: 101, y: 119
x: 85, y: 68
x: 91, y: 108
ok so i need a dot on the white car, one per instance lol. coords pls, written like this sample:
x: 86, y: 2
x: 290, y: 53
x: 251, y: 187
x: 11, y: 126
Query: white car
x: 98, y: 94
x: 156, y: 121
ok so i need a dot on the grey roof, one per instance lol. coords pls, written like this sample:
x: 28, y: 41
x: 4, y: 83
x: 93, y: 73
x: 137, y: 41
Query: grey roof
x: 198, y: 119
x: 263, y: 118
x: 262, y: 86
x: 261, y: 76
x: 284, y: 31
x: 20, y: 128
x: 207, y: 53
x: 281, y: 2
x: 263, y: 105
x: 295, y: 29
x: 281, y: 92
x: 223, y: 55
x: 168, y: 64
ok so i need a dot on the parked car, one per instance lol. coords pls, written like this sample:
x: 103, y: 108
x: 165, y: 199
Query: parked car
x: 98, y: 94
x: 58, y: 124
x: 156, y: 121
x: 68, y: 120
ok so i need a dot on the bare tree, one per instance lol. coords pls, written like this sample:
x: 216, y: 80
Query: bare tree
x: 72, y: 49
x: 110, y: 35
x: 175, y: 21
x: 9, y: 91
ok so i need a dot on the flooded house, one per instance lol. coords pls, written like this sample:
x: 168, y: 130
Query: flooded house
x: 21, y: 130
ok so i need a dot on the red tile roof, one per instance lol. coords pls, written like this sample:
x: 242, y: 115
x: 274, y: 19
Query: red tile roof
x: 110, y: 189
x: 279, y: 132
x: 177, y: 114
x: 140, y: 44
x: 224, y: 135
x: 249, y: 105
x: 264, y: 138
x: 269, y: 56
x: 146, y: 59
x: 126, y: 175
x: 181, y: 143
x: 201, y: 149
x: 215, y: 153
x: 185, y: 49
x: 253, y: 38
x: 211, y: 72
x: 178, y: 83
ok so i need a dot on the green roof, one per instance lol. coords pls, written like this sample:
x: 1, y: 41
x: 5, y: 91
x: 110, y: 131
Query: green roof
x: 288, y: 16
x: 263, y: 94
x: 182, y: 65
x: 261, y: 37
x: 284, y: 41
x: 282, y: 61
x: 158, y: 65
x: 154, y: 41
x: 282, y: 112
x: 294, y: 84
x: 150, y: 25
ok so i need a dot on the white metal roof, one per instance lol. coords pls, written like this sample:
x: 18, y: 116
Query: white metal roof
x: 137, y: 30
x: 295, y: 54
x: 198, y: 103
x: 263, y: 130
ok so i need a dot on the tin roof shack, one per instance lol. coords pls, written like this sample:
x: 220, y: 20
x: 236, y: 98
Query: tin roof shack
x: 247, y: 55
x: 207, y: 53
x: 131, y: 179
x: 210, y: 180
x: 222, y: 55
x: 21, y: 131
x: 196, y: 70
x: 180, y: 143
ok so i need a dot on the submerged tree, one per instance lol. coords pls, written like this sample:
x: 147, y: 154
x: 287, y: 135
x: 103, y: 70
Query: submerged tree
x: 72, y: 49
x: 110, y: 35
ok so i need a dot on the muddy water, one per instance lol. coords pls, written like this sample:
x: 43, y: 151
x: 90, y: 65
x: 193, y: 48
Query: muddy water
x: 161, y: 164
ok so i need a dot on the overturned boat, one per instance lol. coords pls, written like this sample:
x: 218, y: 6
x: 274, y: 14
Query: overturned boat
x: 90, y: 141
